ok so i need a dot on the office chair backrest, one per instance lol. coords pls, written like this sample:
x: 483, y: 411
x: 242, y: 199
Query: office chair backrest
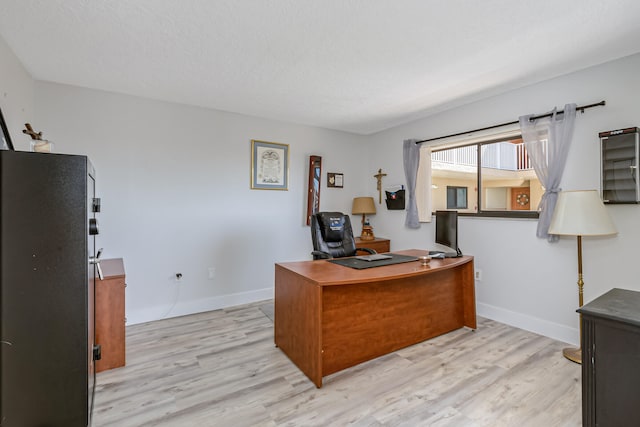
x: 332, y: 234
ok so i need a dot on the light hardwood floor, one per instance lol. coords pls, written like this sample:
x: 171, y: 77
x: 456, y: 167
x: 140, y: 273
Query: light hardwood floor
x: 221, y: 368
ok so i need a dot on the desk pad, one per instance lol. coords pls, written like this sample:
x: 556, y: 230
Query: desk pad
x: 361, y: 265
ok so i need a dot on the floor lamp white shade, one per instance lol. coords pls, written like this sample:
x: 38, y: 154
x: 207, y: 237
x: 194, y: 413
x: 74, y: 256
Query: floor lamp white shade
x: 580, y: 213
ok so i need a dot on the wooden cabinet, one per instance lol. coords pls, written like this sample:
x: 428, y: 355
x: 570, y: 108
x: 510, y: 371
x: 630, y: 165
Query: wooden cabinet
x: 110, y: 316
x: 379, y: 245
x: 611, y: 359
x: 620, y: 150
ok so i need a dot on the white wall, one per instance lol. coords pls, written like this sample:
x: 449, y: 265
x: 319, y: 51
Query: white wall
x: 176, y: 197
x: 527, y: 281
x: 16, y: 96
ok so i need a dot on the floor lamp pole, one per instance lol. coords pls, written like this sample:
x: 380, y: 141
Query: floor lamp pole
x: 575, y: 354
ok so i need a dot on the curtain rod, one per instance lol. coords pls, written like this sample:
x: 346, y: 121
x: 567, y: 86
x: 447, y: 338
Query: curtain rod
x: 579, y: 108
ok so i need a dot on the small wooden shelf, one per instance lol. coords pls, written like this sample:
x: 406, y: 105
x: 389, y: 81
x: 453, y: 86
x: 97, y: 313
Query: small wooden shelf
x: 379, y: 244
x: 110, y: 314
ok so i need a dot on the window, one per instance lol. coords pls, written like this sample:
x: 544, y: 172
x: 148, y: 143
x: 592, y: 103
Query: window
x: 456, y: 197
x: 490, y: 176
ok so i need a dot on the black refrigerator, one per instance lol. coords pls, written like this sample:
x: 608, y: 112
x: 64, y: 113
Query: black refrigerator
x: 47, y: 278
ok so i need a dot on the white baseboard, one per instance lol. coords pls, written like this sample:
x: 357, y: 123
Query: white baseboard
x: 197, y: 306
x: 529, y: 323
x: 552, y: 330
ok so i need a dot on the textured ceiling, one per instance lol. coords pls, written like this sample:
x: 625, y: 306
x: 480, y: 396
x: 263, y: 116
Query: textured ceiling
x: 355, y: 65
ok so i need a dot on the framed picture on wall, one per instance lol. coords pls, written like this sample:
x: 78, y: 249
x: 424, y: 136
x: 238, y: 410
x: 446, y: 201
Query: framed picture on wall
x: 6, y: 143
x: 269, y: 165
x: 335, y: 180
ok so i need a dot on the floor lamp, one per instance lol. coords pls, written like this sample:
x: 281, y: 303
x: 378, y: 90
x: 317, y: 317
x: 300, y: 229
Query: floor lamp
x: 580, y: 213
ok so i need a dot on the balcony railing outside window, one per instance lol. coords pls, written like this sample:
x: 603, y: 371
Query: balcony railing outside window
x: 463, y: 156
x: 500, y: 155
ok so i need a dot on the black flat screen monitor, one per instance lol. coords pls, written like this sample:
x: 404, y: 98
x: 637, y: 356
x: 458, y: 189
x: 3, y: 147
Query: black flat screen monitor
x: 447, y: 230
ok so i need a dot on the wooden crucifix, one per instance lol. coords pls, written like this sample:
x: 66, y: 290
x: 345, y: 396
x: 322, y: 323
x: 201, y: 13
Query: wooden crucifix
x: 379, y: 176
x: 37, y: 136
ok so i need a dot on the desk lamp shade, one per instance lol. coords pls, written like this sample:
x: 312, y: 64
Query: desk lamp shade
x: 364, y: 206
x: 580, y: 213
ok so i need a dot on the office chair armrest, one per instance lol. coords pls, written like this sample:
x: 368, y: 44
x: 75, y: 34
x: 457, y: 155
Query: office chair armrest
x: 371, y: 251
x: 321, y: 255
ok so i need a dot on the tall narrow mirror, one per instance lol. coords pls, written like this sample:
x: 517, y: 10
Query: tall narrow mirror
x: 315, y: 172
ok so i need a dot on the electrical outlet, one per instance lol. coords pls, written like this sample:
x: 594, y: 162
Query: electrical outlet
x: 212, y: 272
x: 478, y: 274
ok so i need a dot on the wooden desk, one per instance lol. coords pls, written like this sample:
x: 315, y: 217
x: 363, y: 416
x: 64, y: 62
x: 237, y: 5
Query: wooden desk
x: 378, y: 244
x: 329, y: 317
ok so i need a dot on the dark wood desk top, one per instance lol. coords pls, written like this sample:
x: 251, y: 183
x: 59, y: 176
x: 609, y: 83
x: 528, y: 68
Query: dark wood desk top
x: 325, y: 273
x: 621, y: 305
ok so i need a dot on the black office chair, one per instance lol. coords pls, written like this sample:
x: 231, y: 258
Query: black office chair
x: 332, y: 236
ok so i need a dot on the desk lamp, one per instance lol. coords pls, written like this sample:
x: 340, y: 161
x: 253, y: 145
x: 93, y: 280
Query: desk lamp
x: 364, y: 206
x: 580, y: 213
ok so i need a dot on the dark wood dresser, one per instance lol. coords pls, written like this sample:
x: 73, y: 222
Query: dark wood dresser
x: 611, y: 359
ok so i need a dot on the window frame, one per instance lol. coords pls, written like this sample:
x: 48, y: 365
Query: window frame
x: 480, y: 212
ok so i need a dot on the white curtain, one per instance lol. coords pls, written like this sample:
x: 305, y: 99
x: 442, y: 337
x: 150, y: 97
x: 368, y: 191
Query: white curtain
x: 411, y: 160
x: 423, y: 186
x: 547, y: 141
